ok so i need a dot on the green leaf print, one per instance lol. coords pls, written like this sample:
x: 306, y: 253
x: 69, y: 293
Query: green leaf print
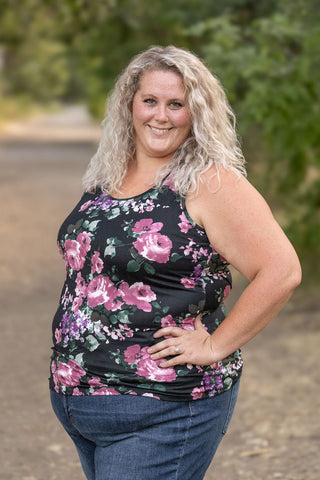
x: 153, y: 194
x: 93, y: 226
x: 113, y: 319
x: 115, y: 212
x: 91, y: 343
x: 182, y: 373
x: 145, y: 385
x: 100, y: 336
x: 227, y: 382
x: 156, y: 305
x: 160, y: 388
x: 79, y: 358
x: 133, y: 266
x: 123, y: 317
x: 110, y: 251
x: 149, y: 268
x: 175, y: 256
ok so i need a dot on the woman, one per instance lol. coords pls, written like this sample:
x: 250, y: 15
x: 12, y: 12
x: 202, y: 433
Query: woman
x: 145, y: 367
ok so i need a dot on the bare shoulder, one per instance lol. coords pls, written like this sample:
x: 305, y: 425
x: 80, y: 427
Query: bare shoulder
x: 237, y: 220
x: 219, y: 185
x: 227, y: 196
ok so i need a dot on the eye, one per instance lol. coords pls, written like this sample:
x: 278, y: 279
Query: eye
x: 149, y: 101
x: 176, y: 105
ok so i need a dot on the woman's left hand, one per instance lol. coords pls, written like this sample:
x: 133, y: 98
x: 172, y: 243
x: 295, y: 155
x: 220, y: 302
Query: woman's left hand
x: 185, y: 346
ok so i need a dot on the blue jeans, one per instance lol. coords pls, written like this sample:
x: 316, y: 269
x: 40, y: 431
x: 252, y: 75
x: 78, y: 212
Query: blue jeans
x: 134, y: 437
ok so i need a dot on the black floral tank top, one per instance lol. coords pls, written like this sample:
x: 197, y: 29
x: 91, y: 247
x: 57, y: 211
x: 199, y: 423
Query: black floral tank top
x: 133, y: 266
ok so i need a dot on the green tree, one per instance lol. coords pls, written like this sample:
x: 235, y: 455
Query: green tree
x: 35, y: 60
x: 268, y: 66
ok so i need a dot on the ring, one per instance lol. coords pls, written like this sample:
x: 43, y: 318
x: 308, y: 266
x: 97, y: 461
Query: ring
x: 177, y: 349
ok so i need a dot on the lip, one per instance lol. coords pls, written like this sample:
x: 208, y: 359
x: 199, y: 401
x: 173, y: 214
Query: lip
x: 159, y: 131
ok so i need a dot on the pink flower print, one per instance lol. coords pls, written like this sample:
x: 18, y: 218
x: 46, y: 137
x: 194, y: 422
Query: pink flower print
x: 96, y: 263
x: 77, y: 302
x: 154, y: 246
x: 168, y: 321
x: 188, y: 323
x: 105, y: 391
x: 95, y: 382
x: 226, y: 292
x: 188, y: 249
x: 148, y: 394
x: 77, y: 392
x: 185, y: 225
x: 127, y: 331
x: 120, y: 333
x: 138, y: 294
x: 147, y: 225
x: 85, y: 241
x: 113, y: 303
x: 188, y: 282
x: 53, y: 368
x: 198, y: 253
x: 100, y: 290
x: 85, y: 205
x: 150, y: 369
x: 74, y: 255
x: 197, y: 393
x: 81, y: 286
x: 57, y: 334
x: 169, y: 182
x: 132, y: 354
x: 68, y: 374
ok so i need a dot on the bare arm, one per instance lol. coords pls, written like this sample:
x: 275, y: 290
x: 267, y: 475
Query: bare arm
x: 240, y: 226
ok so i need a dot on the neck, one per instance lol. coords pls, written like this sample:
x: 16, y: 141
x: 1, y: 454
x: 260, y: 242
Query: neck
x: 147, y: 169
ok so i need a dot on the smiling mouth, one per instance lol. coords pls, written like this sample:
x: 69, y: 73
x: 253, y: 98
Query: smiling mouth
x: 159, y: 131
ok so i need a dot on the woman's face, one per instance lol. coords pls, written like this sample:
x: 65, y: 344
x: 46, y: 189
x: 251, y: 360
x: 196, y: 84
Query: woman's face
x: 161, y: 117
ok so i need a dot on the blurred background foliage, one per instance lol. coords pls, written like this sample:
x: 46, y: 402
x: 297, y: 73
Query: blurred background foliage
x: 266, y: 54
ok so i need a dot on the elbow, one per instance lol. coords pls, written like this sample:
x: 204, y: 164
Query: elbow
x: 292, y: 277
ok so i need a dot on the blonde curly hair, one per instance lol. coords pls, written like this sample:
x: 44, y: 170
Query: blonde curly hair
x: 212, y: 139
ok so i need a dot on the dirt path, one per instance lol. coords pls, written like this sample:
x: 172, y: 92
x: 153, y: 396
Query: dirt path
x: 275, y: 431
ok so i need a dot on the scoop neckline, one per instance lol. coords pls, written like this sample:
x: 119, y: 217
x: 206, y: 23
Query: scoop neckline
x: 133, y: 196
x: 154, y: 187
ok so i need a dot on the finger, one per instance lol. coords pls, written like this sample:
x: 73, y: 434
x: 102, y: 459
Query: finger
x: 177, y: 360
x: 169, y: 344
x: 174, y: 331
x: 157, y: 347
x: 171, y: 351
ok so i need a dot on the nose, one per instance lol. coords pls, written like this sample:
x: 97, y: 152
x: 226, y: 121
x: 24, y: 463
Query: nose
x: 161, y: 114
